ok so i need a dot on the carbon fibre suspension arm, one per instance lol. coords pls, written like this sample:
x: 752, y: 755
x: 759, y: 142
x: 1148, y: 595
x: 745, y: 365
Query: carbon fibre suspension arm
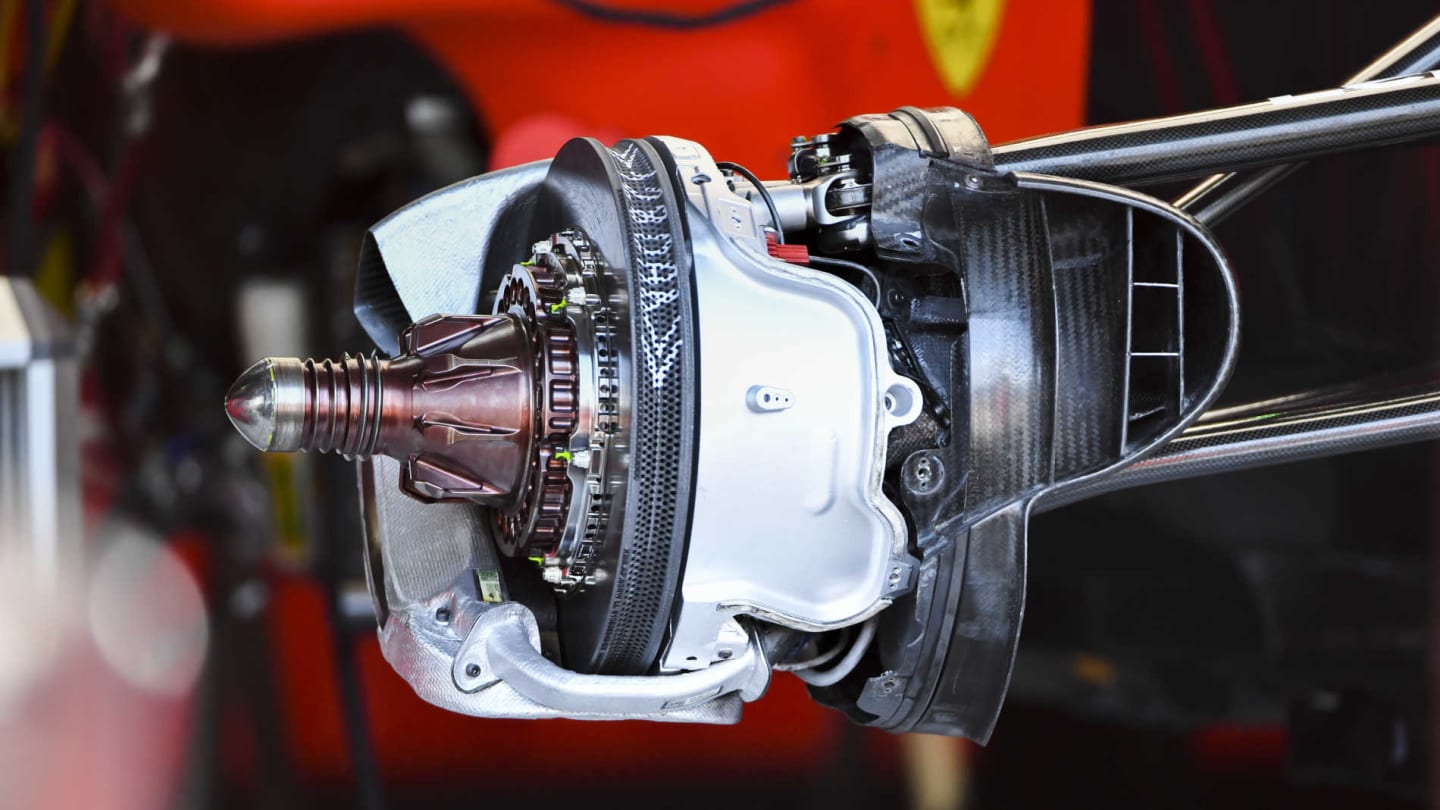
x: 1316, y: 424
x: 1220, y: 195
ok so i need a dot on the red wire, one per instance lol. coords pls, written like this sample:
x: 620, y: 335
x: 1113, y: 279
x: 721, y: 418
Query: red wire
x: 107, y: 253
x: 78, y: 159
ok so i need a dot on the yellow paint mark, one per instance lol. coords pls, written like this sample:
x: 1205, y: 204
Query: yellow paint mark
x: 960, y: 35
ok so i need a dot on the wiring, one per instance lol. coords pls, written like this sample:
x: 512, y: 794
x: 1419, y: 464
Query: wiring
x: 736, y: 168
x: 837, y: 673
x: 72, y: 152
x: 61, y: 15
x: 820, y: 660
x: 855, y: 267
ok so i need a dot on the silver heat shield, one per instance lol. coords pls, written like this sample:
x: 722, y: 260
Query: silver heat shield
x: 797, y: 400
x: 793, y: 370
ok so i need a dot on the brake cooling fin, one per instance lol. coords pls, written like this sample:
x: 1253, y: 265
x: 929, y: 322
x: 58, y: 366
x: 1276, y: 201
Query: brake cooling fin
x: 1101, y: 322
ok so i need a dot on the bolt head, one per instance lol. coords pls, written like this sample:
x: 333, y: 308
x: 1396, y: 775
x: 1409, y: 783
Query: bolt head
x: 923, y: 473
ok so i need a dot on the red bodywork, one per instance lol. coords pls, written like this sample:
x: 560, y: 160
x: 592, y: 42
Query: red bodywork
x: 742, y: 88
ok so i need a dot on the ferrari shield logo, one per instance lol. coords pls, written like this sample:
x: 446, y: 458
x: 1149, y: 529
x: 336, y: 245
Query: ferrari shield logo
x: 959, y: 35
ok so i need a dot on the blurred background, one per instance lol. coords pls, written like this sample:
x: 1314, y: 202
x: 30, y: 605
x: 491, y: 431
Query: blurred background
x: 187, y: 183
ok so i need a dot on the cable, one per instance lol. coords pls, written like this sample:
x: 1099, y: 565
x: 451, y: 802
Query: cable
x: 842, y: 264
x: 837, y: 673
x: 736, y: 168
x: 819, y: 660
x: 661, y: 18
x: 72, y: 153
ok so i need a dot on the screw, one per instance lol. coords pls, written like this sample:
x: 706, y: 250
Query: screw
x: 472, y: 670
x: 724, y: 655
x: 700, y: 178
x: 923, y: 473
x: 972, y: 182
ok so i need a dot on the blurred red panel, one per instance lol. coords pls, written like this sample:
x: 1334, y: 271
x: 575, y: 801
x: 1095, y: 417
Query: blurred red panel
x: 743, y: 88
x: 1231, y: 748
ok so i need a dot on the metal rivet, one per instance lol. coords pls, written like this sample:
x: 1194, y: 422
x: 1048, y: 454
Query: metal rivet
x: 724, y: 655
x: 472, y: 670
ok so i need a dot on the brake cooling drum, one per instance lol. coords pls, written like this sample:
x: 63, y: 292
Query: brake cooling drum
x: 624, y: 202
